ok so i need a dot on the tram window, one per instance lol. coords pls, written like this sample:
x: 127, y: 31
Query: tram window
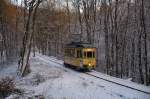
x: 79, y: 53
x: 85, y: 54
x: 70, y: 52
x: 89, y: 54
x: 66, y: 52
x: 93, y: 54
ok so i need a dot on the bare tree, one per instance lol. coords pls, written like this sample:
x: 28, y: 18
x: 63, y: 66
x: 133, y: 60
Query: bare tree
x: 32, y: 6
x: 143, y: 30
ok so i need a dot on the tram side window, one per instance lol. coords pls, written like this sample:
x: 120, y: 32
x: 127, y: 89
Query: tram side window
x: 79, y: 53
x: 66, y: 52
x: 70, y: 52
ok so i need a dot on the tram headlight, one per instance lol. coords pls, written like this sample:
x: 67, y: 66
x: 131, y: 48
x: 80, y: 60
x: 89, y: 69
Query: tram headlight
x: 89, y: 64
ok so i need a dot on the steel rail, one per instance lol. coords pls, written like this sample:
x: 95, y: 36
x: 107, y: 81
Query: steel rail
x: 118, y: 83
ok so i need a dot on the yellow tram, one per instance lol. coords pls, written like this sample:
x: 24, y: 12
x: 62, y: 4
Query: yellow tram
x: 80, y: 56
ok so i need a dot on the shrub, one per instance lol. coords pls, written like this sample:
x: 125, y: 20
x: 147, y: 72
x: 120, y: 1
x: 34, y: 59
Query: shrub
x: 7, y: 86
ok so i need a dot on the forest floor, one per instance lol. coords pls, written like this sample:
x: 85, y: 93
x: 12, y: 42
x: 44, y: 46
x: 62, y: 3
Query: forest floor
x: 49, y: 80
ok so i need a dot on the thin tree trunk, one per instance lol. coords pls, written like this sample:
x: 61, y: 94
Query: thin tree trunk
x: 145, y: 41
x: 140, y: 60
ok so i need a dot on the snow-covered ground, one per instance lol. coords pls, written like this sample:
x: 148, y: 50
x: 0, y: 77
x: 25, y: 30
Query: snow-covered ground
x: 53, y: 81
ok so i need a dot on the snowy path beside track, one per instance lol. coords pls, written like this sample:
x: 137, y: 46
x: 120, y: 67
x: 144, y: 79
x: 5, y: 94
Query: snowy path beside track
x: 112, y: 89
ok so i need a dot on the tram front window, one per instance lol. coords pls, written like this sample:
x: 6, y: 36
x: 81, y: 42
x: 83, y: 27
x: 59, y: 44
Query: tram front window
x: 89, y: 54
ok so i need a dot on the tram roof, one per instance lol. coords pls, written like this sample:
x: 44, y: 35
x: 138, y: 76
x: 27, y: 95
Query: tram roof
x: 79, y: 45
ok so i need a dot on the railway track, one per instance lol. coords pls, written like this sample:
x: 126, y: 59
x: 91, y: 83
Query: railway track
x: 118, y: 83
x: 90, y: 74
